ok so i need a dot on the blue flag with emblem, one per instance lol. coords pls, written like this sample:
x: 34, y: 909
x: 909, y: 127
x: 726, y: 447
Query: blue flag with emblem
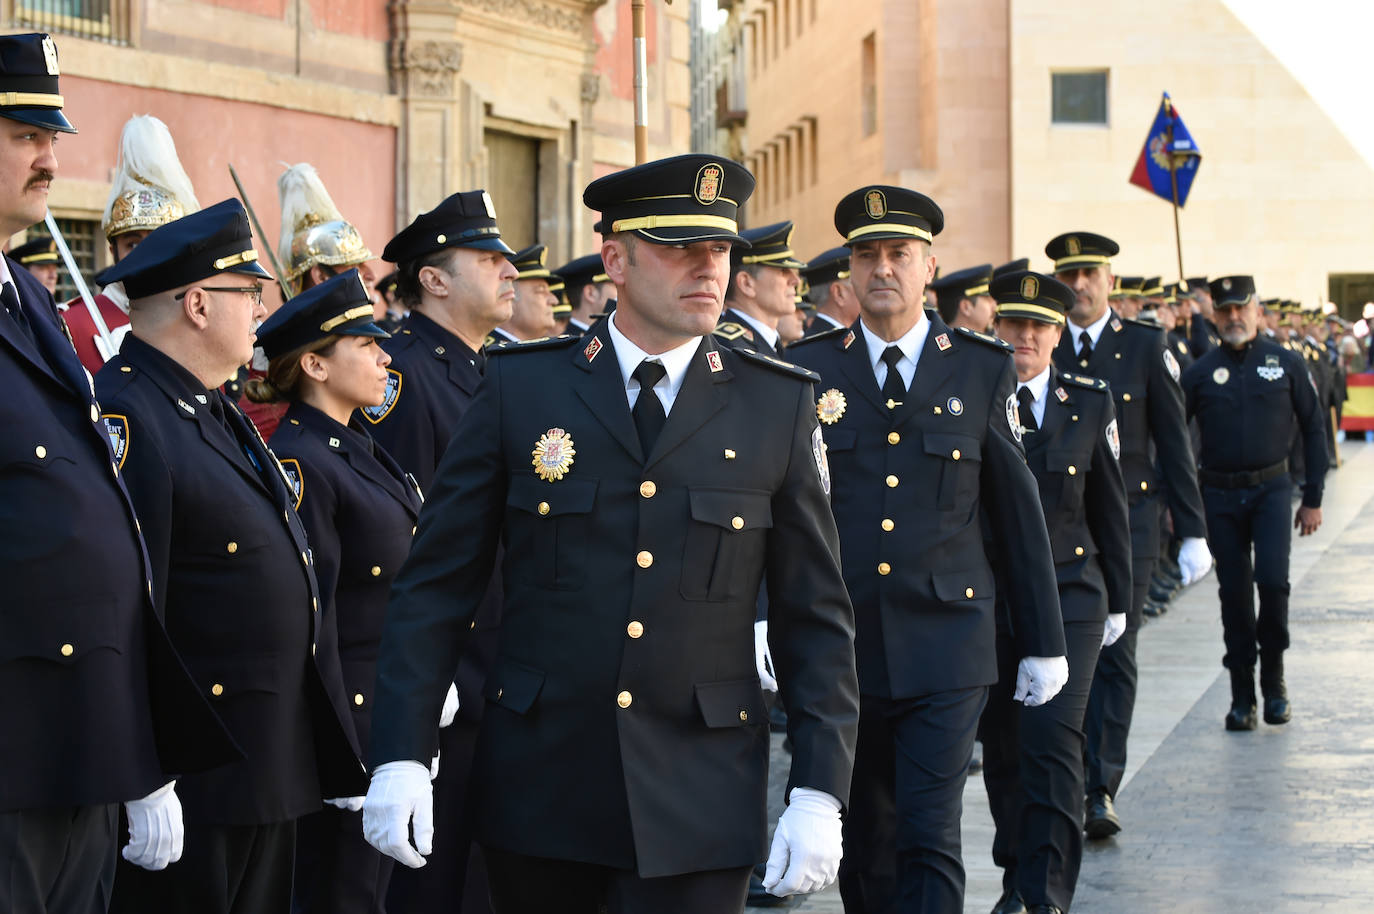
x: 1168, y: 139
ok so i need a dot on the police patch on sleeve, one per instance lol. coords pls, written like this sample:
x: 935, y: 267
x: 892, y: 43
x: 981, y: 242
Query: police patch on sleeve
x: 117, y: 427
x: 822, y: 464
x: 375, y: 414
x: 1171, y: 364
x: 1014, y: 417
x: 291, y: 468
x: 1114, y: 439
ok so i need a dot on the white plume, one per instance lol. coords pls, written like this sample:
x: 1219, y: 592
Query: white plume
x: 148, y: 158
x: 304, y: 202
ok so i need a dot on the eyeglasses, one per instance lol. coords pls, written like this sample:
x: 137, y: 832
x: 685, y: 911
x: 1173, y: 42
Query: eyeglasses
x: 254, y: 291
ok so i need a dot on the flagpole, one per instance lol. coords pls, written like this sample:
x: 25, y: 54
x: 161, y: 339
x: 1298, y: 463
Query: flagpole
x: 641, y: 82
x: 1173, y: 184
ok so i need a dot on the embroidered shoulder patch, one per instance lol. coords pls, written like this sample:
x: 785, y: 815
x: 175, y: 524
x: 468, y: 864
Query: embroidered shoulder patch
x: 375, y: 414
x: 117, y: 427
x: 292, y: 468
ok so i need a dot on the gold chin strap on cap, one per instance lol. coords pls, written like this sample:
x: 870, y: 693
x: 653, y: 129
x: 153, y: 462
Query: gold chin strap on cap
x: 914, y: 231
x: 976, y: 290
x: 234, y: 260
x: 1019, y: 309
x: 350, y: 314
x: 653, y: 222
x: 29, y: 100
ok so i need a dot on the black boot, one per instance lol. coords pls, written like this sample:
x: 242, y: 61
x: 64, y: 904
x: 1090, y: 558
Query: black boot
x: 1275, y: 692
x: 1242, y: 713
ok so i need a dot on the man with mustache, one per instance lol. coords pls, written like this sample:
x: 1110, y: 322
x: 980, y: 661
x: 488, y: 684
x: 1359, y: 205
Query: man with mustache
x: 1249, y: 395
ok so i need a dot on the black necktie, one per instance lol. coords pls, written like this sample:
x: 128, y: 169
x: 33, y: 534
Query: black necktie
x: 1024, y: 398
x: 648, y: 412
x: 11, y: 300
x: 894, y: 391
x: 1085, y: 348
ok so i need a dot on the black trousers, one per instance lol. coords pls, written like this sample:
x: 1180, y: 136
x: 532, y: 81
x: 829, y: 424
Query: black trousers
x: 224, y: 869
x: 902, y: 849
x: 1239, y: 520
x: 1033, y: 772
x: 454, y: 881
x: 337, y: 871
x: 536, y: 885
x: 58, y: 861
x: 1111, y: 700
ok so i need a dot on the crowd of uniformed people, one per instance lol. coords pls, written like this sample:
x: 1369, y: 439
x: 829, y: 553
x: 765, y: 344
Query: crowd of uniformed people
x: 505, y: 573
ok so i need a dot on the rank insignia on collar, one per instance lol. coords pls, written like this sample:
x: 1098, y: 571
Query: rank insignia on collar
x: 117, y: 427
x: 334, y: 443
x: 713, y: 362
x: 831, y: 406
x: 592, y: 350
x: 943, y: 341
x: 1061, y: 393
x: 1116, y: 324
x: 955, y: 406
x: 1221, y: 375
x: 190, y: 410
x: 202, y: 400
x: 849, y: 339
x: 375, y: 414
x: 553, y: 455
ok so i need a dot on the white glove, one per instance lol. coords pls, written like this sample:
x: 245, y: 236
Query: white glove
x: 762, y: 658
x: 1194, y: 559
x: 450, y: 706
x: 352, y: 804
x: 399, y: 792
x: 805, y: 856
x: 1038, y: 679
x: 1115, y: 628
x: 434, y: 765
x: 155, y: 829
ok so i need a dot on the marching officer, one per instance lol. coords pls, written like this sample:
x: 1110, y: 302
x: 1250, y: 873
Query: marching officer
x: 827, y: 277
x: 588, y: 290
x: 963, y: 299
x: 765, y: 275
x: 1202, y: 328
x: 1135, y: 360
x: 624, y: 751
x: 39, y: 258
x: 359, y: 509
x: 101, y: 709
x: 1248, y: 396
x: 1033, y: 757
x: 232, y: 573
x: 925, y: 448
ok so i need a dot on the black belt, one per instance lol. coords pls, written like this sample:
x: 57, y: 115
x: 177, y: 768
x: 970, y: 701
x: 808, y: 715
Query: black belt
x: 1243, y: 480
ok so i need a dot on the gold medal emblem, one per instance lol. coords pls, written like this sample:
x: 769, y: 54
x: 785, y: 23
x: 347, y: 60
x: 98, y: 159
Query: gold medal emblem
x: 875, y: 204
x: 1073, y: 246
x: 1030, y: 288
x: 831, y: 406
x: 553, y: 455
x: 709, y: 181
x: 1221, y: 375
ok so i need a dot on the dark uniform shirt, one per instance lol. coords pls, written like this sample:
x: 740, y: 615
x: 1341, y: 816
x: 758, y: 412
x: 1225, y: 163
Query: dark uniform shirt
x: 735, y: 331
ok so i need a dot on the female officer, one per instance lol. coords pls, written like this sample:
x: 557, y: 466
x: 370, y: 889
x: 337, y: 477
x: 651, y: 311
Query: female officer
x: 359, y: 509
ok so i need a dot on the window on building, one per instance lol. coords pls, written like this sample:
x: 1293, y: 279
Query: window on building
x: 98, y: 20
x: 1079, y: 98
x: 81, y: 236
x: 869, y: 75
x: 513, y: 181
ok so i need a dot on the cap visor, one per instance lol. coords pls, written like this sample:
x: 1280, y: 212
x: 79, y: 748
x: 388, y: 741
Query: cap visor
x: 690, y: 234
x: 251, y: 268
x: 51, y: 118
x: 362, y: 327
x: 486, y: 244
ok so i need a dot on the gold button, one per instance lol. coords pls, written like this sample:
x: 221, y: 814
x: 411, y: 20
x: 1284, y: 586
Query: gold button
x: 1144, y: 486
x: 1073, y: 471
x: 95, y: 414
x: 955, y: 454
x: 312, y: 650
x: 644, y: 559
x: 1126, y: 397
x: 737, y: 522
x: 648, y: 489
x: 888, y: 524
x: 635, y: 629
x: 893, y: 438
x: 376, y: 570
x: 729, y: 454
x: 543, y: 507
x: 472, y: 624
x: 892, y: 482
x: 305, y: 560
x: 412, y: 530
x: 499, y: 693
x: 938, y: 410
x: 1077, y: 550
x: 231, y: 548
x: 40, y: 452
x: 884, y: 568
x: 743, y: 714
x: 624, y: 699
x: 67, y: 650
x: 126, y: 369
x: 969, y: 593
x: 315, y: 604
x: 441, y: 239
x: 358, y: 699
x: 217, y: 690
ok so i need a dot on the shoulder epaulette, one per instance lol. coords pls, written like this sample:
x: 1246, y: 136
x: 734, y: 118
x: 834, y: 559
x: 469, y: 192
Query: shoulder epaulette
x: 545, y: 342
x: 986, y: 339
x: 778, y: 364
x: 119, y: 380
x: 1079, y: 380
x: 729, y: 330
x: 819, y: 335
x: 1143, y: 325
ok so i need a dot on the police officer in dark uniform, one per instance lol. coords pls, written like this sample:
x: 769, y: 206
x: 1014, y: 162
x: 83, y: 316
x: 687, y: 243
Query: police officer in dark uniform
x: 1135, y: 360
x: 625, y: 748
x: 101, y: 710
x: 827, y: 280
x: 963, y: 300
x: 588, y: 291
x: 1032, y: 757
x: 232, y: 573
x: 359, y: 509
x: 925, y: 452
x: 1202, y: 327
x: 1247, y: 396
x: 532, y: 309
x: 39, y: 258
x: 764, y: 277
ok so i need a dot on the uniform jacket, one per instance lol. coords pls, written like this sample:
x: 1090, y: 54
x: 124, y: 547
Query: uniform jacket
x: 1202, y: 336
x: 736, y: 333
x: 1074, y: 458
x: 233, y: 579
x: 909, y: 489
x: 101, y: 709
x: 1136, y: 361
x: 625, y: 724
x: 83, y: 331
x: 359, y: 511
x: 1249, y: 403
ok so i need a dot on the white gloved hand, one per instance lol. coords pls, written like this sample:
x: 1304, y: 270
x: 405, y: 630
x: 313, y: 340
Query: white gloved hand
x: 1038, y: 679
x: 805, y: 856
x: 1115, y: 628
x: 155, y: 829
x: 450, y: 710
x: 352, y: 804
x: 434, y: 765
x: 1194, y: 559
x: 399, y: 792
x: 762, y: 658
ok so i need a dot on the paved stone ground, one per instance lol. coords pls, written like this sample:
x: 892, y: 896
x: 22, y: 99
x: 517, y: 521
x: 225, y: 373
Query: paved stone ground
x: 1279, y: 820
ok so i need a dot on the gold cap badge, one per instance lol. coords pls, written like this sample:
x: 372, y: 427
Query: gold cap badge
x: 709, y: 180
x: 1030, y: 288
x: 1072, y: 246
x: 875, y: 203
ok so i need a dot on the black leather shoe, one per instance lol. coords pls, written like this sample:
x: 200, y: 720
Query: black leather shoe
x: 1155, y: 609
x: 1277, y: 711
x: 1242, y: 713
x: 758, y: 896
x: 1100, y: 820
x: 1241, y: 718
x: 1043, y: 909
x: 1009, y: 903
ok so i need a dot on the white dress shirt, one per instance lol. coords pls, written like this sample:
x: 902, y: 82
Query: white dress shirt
x: 674, y: 362
x: 1094, y: 331
x: 910, y: 343
x: 831, y: 320
x: 1039, y: 387
x: 769, y: 334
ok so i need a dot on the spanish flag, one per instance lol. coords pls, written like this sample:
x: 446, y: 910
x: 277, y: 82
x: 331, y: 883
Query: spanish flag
x: 1358, y: 413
